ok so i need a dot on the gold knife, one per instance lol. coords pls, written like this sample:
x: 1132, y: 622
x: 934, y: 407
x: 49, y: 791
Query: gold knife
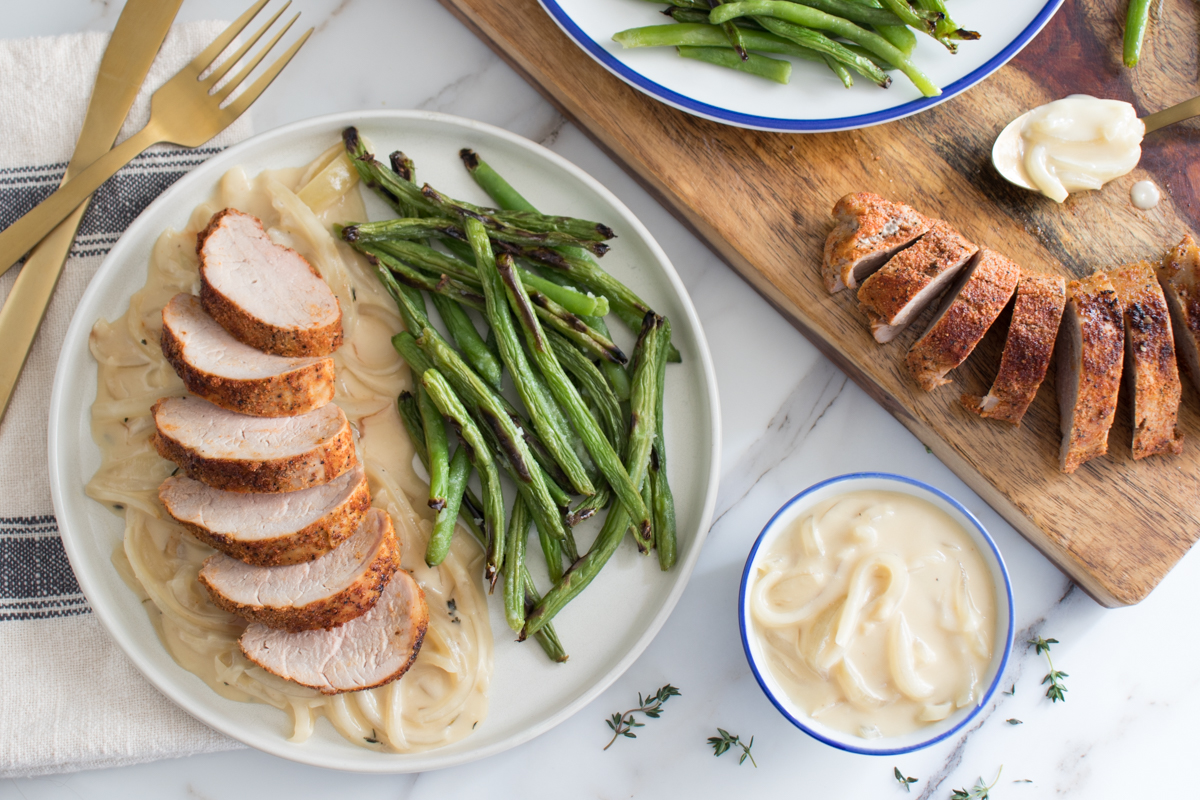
x: 135, y: 42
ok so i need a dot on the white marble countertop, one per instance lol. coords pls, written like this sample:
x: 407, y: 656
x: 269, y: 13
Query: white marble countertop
x: 791, y: 418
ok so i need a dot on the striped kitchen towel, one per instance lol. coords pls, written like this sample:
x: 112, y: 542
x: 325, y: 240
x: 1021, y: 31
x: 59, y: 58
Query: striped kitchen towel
x: 69, y: 698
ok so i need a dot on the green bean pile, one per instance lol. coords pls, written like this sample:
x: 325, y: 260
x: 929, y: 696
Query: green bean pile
x: 590, y: 433
x: 870, y: 37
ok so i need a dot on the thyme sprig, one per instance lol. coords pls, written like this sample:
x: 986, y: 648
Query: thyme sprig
x: 720, y: 744
x: 979, y: 791
x: 1053, y: 677
x: 652, y: 707
x: 903, y: 780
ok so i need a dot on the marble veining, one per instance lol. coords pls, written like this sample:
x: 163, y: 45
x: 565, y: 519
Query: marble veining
x: 1127, y: 728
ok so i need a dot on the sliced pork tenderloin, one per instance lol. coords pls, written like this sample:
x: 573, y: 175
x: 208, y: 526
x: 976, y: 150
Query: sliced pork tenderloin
x: 237, y: 453
x: 1027, y: 349
x: 904, y: 286
x: 1091, y: 348
x: 1150, y: 369
x: 339, y: 586
x: 1179, y: 276
x: 868, y: 231
x: 266, y: 295
x: 270, y: 530
x: 373, y: 650
x: 968, y: 311
x: 236, y: 376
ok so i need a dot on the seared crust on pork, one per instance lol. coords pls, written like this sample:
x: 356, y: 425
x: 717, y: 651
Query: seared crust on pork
x: 371, y: 651
x: 270, y: 530
x: 266, y: 295
x: 219, y: 368
x: 900, y: 290
x: 1179, y: 276
x: 968, y: 311
x: 1091, y: 348
x: 1150, y: 368
x: 1027, y: 350
x: 868, y: 231
x: 237, y: 453
x: 340, y: 586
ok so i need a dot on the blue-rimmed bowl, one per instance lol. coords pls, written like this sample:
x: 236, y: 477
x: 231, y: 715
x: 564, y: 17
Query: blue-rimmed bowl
x: 792, y: 511
x: 815, y: 101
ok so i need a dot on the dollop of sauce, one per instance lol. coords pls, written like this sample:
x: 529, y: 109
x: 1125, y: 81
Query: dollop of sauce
x: 876, y: 614
x: 1145, y: 195
x: 1080, y: 143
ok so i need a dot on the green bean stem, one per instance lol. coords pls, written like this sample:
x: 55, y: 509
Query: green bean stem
x: 602, y: 452
x: 733, y: 34
x: 514, y: 565
x: 810, y: 17
x: 547, y: 418
x: 945, y: 27
x: 773, y: 69
x: 481, y: 456
x: 438, y: 448
x: 1136, y: 20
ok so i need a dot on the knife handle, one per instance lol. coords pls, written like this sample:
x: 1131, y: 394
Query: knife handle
x: 18, y: 238
x: 27, y: 302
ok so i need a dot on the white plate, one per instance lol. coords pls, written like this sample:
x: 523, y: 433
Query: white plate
x: 529, y: 695
x: 815, y: 99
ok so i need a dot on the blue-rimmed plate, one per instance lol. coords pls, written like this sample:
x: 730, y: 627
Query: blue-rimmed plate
x: 814, y: 101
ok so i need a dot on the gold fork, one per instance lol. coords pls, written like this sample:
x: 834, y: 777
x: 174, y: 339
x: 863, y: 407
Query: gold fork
x: 185, y: 111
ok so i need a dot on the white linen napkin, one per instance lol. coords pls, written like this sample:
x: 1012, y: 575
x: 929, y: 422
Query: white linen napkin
x: 69, y: 698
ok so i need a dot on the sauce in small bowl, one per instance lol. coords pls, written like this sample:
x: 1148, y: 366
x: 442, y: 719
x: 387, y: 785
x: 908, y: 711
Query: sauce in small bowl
x: 876, y: 613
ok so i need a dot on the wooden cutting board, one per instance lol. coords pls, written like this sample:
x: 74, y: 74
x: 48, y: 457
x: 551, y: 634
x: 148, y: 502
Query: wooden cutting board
x: 762, y: 200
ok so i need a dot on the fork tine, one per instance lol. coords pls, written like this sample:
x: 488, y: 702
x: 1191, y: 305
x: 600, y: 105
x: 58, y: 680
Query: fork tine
x: 210, y: 53
x: 238, y: 106
x: 231, y: 62
x: 238, y: 79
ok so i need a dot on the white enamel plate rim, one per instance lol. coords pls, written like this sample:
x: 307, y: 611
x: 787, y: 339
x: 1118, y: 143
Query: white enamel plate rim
x: 814, y: 101
x: 90, y: 533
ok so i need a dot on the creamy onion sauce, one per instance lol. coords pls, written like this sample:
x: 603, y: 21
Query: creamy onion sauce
x: 1080, y: 143
x: 876, y: 614
x: 445, y: 694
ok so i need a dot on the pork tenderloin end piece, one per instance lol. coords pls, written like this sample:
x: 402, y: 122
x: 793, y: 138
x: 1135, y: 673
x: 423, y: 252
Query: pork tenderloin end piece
x: 270, y: 530
x: 1150, y: 369
x: 912, y: 279
x: 219, y: 368
x: 1037, y: 313
x: 1091, y: 349
x: 237, y: 453
x: 339, y: 586
x: 868, y: 231
x: 968, y: 311
x: 264, y: 294
x: 365, y: 653
x: 1179, y: 276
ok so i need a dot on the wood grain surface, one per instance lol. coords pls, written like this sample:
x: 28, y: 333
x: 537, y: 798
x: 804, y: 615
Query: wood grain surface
x: 762, y: 202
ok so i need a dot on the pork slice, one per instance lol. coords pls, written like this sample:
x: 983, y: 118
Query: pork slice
x: 266, y: 295
x: 868, y: 231
x: 912, y: 279
x: 1027, y: 349
x: 1179, y: 276
x: 339, y: 586
x: 968, y: 310
x: 1150, y: 370
x: 236, y: 376
x: 1091, y: 348
x: 373, y: 650
x: 238, y: 453
x: 269, y: 530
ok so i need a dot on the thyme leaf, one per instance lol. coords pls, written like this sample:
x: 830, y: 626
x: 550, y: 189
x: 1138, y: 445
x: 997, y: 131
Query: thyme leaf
x: 903, y: 780
x: 720, y: 744
x: 651, y: 706
x: 1055, y: 691
x: 977, y: 792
